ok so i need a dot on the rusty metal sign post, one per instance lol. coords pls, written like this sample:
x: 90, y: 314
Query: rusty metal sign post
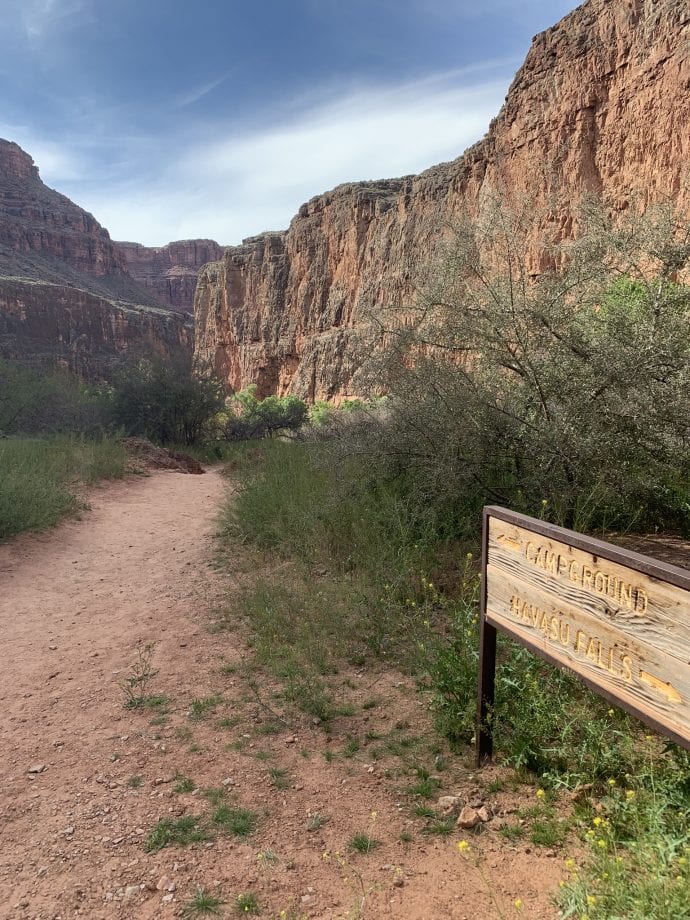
x: 619, y: 620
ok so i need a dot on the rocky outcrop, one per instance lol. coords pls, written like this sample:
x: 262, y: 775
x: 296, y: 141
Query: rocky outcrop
x: 601, y: 104
x: 53, y: 324
x: 65, y: 291
x: 170, y: 271
x: 38, y: 226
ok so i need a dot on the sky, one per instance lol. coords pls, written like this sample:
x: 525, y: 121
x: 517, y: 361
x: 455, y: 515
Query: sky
x: 178, y: 119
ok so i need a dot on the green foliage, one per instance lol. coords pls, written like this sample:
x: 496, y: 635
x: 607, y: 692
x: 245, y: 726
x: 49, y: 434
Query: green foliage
x: 180, y: 832
x: 166, y: 401
x: 247, y: 417
x: 38, y: 478
x: 239, y: 822
x: 38, y: 400
x: 202, y: 902
x: 247, y: 903
x: 563, y: 394
x: 363, y: 843
x: 637, y: 845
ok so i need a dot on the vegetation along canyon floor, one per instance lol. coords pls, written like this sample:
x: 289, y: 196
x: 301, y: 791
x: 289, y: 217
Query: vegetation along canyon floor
x: 150, y: 770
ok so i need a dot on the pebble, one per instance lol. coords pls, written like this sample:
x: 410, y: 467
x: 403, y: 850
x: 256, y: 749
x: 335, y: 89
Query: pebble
x: 36, y: 768
x: 131, y: 891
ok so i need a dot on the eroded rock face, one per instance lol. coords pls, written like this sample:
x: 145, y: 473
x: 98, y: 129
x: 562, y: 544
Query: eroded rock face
x: 170, y: 271
x: 66, y: 295
x: 601, y: 104
x: 35, y: 220
x: 54, y: 324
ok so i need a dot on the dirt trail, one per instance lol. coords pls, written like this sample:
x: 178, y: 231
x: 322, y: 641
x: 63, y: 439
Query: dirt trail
x: 84, y: 780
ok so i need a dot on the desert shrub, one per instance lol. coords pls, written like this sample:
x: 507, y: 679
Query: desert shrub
x: 45, y: 400
x: 247, y: 417
x: 565, y: 391
x: 170, y: 401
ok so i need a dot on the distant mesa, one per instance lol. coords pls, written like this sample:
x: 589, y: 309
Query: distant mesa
x: 70, y: 294
x: 171, y: 271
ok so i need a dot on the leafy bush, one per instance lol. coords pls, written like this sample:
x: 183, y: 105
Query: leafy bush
x: 166, y: 401
x: 36, y: 400
x: 247, y: 417
x: 566, y: 391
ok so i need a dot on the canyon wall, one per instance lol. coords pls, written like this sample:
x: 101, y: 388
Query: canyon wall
x: 170, y: 271
x: 66, y: 294
x: 55, y: 325
x: 601, y: 105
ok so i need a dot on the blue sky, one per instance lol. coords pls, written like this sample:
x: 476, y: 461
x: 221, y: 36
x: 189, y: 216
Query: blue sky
x: 171, y: 119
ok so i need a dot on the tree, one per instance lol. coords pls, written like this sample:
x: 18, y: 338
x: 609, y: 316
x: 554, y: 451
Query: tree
x: 563, y: 392
x: 248, y: 417
x: 168, y: 401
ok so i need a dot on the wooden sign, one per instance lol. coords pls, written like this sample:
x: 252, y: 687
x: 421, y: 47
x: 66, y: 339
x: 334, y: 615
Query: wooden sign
x: 617, y: 619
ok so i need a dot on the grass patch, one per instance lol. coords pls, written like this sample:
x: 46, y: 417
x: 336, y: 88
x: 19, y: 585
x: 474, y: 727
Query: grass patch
x: 363, y: 843
x: 200, y: 709
x: 238, y: 822
x: 184, y: 784
x: 247, y: 904
x: 202, y: 902
x: 176, y: 832
x: 280, y: 779
x: 40, y: 478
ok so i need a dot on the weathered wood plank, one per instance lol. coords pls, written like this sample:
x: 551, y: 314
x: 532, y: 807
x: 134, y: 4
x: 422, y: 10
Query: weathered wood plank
x: 623, y: 630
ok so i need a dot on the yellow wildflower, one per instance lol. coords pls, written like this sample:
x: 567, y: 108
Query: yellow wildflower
x: 463, y: 846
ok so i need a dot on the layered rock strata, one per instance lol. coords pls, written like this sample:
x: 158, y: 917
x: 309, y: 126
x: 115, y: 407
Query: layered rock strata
x: 52, y: 324
x: 66, y: 294
x: 170, y: 271
x: 601, y: 105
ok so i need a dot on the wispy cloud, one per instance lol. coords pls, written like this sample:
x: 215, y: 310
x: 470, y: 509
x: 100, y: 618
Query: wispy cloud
x: 42, y: 18
x: 200, y: 92
x: 231, y: 183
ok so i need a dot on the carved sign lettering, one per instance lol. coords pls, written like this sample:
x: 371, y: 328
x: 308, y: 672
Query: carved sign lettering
x: 619, y: 620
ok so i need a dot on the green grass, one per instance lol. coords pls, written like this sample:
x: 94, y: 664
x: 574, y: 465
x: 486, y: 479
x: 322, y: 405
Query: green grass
x: 400, y: 585
x: 202, y: 902
x: 40, y: 478
x: 153, y: 701
x: 135, y: 781
x: 180, y: 832
x: 200, y: 709
x: 363, y: 843
x: 280, y: 779
x: 183, y: 784
x: 238, y: 822
x: 247, y: 904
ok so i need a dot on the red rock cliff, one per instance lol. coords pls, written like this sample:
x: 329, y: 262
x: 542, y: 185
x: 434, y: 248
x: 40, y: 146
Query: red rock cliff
x: 35, y: 220
x: 170, y: 271
x: 602, y: 103
x: 65, y: 292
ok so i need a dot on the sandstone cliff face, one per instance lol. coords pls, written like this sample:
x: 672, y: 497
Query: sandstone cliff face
x: 83, y: 332
x: 601, y: 104
x: 34, y: 219
x: 65, y: 292
x: 170, y: 271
